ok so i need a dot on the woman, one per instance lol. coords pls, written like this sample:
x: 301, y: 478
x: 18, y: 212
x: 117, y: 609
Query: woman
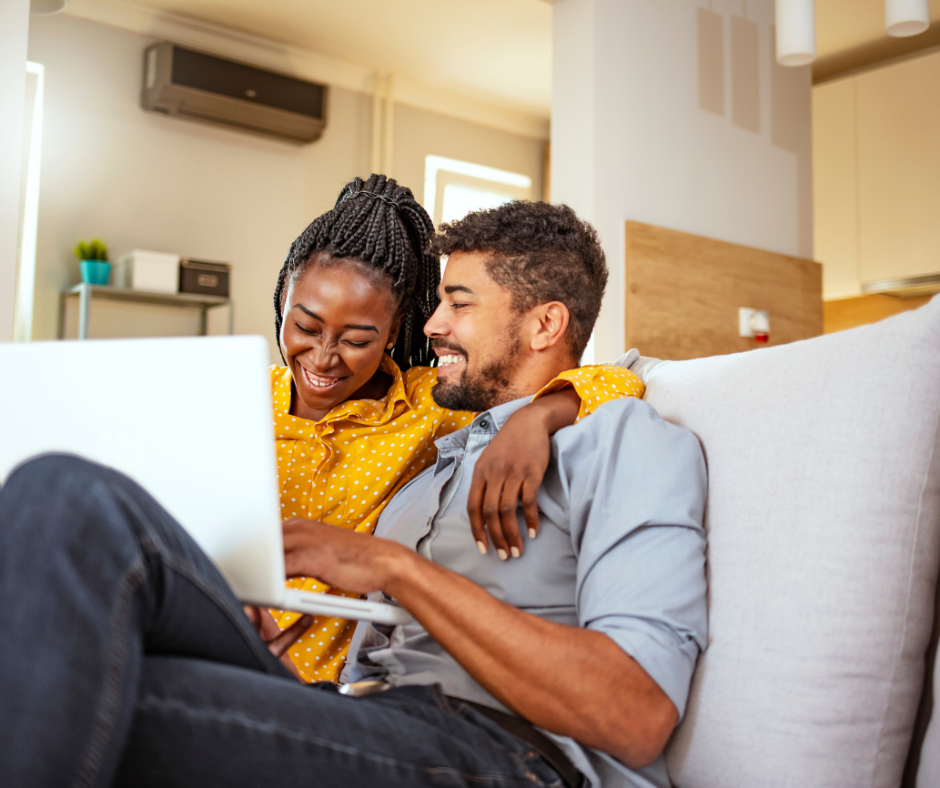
x: 354, y: 417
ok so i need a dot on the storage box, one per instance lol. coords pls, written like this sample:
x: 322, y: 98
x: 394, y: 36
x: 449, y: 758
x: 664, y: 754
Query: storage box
x: 204, y: 278
x: 145, y: 270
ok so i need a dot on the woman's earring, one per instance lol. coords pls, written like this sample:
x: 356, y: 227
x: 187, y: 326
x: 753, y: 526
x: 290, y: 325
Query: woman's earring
x: 390, y: 345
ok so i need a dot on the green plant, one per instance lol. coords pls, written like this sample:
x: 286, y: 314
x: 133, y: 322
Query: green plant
x: 91, y: 250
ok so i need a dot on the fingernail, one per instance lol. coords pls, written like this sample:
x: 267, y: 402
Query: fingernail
x: 514, y: 551
x: 531, y: 533
x: 502, y: 554
x: 481, y: 547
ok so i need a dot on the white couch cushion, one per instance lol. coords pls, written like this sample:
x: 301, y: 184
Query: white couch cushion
x: 928, y: 756
x: 823, y: 521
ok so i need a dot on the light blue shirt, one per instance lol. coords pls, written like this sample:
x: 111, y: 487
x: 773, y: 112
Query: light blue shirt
x: 620, y: 550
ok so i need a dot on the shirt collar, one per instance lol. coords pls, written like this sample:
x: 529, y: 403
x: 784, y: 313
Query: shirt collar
x: 367, y: 411
x: 497, y: 416
x: 488, y: 422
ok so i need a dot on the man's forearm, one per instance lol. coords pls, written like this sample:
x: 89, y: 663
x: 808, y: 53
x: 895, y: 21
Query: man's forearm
x: 569, y: 680
x: 572, y: 681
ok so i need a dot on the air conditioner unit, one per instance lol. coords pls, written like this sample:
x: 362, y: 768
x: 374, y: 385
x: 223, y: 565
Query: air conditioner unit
x: 203, y: 87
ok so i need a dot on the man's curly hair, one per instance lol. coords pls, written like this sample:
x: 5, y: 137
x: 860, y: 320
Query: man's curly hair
x: 539, y: 253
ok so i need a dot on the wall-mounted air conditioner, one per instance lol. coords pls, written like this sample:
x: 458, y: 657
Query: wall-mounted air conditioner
x: 203, y: 87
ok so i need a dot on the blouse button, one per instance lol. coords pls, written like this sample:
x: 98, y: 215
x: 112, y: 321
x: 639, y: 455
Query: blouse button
x: 484, y: 424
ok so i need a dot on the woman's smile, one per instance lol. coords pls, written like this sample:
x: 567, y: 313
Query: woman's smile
x: 322, y: 382
x: 339, y: 319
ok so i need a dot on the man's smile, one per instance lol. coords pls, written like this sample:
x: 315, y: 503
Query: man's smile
x: 449, y: 362
x: 449, y: 358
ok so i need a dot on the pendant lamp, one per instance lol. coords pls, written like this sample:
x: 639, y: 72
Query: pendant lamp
x: 906, y: 17
x: 796, y: 32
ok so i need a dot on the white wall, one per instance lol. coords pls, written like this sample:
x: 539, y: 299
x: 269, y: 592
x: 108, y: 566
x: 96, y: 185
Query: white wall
x: 140, y: 180
x: 630, y: 139
x: 14, y: 25
x: 419, y: 133
x: 877, y: 174
x: 574, y: 118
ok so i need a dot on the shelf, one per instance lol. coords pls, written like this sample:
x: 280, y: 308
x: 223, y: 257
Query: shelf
x: 194, y: 300
x: 87, y: 293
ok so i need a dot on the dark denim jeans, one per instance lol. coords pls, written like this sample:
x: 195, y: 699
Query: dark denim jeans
x: 126, y: 660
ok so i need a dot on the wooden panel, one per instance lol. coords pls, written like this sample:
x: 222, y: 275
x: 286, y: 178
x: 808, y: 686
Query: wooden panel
x: 844, y: 313
x: 683, y: 293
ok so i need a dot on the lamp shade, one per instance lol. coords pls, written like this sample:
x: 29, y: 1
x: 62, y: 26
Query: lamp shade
x: 906, y: 17
x: 47, y: 6
x: 796, y: 32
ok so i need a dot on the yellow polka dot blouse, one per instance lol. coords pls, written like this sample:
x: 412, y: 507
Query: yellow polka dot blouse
x: 343, y: 468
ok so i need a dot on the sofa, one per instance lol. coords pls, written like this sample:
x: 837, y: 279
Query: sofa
x: 823, y: 522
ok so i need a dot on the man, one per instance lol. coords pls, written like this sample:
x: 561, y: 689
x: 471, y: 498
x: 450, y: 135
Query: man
x: 571, y: 662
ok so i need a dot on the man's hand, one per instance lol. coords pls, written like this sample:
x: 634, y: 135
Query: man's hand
x: 561, y: 678
x: 510, y: 470
x: 277, y: 641
x: 357, y: 562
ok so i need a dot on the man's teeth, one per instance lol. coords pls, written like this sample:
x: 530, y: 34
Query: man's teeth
x: 445, y: 360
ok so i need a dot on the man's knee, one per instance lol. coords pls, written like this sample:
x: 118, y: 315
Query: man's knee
x: 51, y: 471
x: 60, y: 504
x: 53, y: 483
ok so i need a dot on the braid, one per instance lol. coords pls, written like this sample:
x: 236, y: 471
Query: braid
x: 379, y: 223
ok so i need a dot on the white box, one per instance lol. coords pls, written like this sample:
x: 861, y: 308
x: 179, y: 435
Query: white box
x: 144, y: 270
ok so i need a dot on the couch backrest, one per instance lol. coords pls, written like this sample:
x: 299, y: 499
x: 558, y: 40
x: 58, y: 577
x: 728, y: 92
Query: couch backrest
x: 823, y: 522
x: 923, y: 763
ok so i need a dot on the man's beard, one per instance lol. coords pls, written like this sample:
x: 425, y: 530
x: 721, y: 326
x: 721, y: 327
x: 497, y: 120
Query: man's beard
x: 481, y: 390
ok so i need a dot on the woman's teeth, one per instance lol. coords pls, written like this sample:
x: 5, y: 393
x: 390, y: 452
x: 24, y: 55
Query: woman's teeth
x: 445, y: 360
x: 318, y: 382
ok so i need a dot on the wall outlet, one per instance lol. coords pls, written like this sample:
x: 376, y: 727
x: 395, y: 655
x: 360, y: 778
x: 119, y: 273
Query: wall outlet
x: 754, y: 323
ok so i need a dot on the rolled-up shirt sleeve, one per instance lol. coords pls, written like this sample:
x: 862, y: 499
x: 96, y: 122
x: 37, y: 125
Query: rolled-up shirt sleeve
x: 637, y: 506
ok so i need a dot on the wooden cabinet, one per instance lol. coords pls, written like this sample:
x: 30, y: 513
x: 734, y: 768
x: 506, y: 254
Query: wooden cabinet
x: 876, y: 173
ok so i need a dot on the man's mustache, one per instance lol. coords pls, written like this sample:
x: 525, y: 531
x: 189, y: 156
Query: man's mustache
x: 442, y: 344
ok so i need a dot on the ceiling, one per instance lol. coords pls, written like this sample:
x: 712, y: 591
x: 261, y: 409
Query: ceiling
x: 497, y: 50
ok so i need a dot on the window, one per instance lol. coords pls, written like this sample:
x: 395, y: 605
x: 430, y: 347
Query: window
x: 454, y: 188
x: 29, y: 205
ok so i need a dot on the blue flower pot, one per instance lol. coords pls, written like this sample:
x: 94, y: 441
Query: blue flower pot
x: 95, y: 272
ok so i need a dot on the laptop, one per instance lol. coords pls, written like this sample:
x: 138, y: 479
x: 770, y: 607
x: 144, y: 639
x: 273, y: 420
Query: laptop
x: 191, y: 421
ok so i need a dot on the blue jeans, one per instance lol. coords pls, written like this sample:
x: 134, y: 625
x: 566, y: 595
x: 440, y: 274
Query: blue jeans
x: 126, y: 660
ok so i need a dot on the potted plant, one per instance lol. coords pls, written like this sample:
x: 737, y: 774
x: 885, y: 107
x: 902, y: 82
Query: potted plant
x: 93, y: 257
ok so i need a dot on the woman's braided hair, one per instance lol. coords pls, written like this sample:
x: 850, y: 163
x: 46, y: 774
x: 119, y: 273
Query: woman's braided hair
x: 380, y: 224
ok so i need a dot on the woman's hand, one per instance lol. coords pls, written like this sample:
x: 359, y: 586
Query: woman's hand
x: 277, y: 641
x: 510, y: 470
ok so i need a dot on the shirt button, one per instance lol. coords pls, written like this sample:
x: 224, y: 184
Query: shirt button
x: 484, y: 424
